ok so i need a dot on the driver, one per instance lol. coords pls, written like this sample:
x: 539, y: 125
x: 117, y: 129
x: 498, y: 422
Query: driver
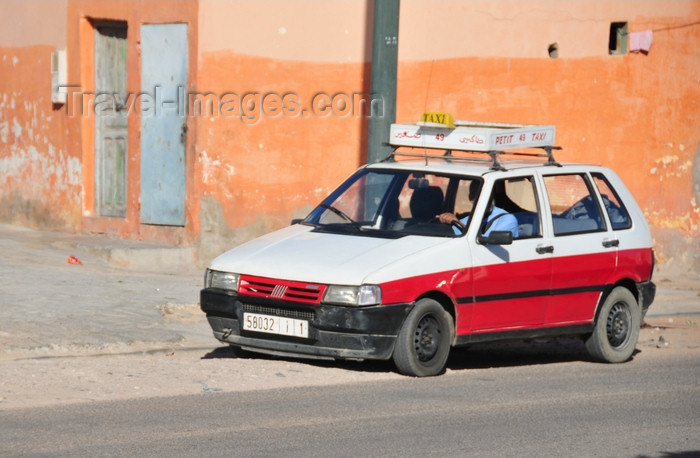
x: 497, y: 220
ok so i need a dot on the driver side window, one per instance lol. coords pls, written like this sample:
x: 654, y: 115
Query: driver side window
x: 513, y: 207
x: 574, y: 207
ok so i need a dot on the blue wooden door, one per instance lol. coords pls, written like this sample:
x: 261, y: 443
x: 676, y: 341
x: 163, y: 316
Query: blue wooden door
x: 163, y: 123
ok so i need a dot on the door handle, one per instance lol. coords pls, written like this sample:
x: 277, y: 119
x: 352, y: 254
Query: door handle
x: 611, y: 243
x: 545, y: 249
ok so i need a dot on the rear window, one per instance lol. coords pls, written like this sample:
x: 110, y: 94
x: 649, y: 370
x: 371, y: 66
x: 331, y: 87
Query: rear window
x: 619, y: 218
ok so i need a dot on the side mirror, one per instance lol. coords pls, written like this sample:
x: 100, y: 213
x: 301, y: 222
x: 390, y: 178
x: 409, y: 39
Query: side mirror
x: 496, y: 238
x: 296, y: 221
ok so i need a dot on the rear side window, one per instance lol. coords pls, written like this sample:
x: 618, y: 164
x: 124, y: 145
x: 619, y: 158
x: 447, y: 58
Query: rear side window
x: 619, y: 218
x: 574, y: 208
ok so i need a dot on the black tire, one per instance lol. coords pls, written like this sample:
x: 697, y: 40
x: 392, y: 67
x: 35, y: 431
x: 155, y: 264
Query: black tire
x: 616, y: 328
x: 423, y: 344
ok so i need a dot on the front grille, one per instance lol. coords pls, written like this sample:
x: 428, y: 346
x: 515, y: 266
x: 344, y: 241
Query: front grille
x: 294, y: 291
x: 277, y: 311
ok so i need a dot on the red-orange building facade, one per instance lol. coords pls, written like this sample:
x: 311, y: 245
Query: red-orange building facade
x: 265, y: 108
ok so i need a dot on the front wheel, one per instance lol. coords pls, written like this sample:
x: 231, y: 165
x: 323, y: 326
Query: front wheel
x: 616, y: 328
x: 423, y: 343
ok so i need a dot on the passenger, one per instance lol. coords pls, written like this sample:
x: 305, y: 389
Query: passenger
x: 497, y: 220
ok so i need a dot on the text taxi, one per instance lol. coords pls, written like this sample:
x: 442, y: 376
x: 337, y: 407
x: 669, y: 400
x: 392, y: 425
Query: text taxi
x: 408, y: 258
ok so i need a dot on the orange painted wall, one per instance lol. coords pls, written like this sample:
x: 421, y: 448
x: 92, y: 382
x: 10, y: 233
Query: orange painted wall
x: 622, y: 113
x: 264, y: 173
x: 481, y: 60
x: 267, y: 171
x: 40, y: 177
x: 47, y: 150
x: 634, y: 113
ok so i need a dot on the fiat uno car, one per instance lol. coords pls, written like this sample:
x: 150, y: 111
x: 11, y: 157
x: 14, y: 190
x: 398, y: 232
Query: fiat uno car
x: 529, y: 248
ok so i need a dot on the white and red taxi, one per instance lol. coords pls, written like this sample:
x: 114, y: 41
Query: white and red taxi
x: 373, y: 273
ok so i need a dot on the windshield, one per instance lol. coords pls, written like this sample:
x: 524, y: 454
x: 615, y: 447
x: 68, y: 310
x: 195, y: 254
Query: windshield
x: 394, y: 203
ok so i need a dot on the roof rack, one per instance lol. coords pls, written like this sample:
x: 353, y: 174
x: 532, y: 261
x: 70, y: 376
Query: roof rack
x: 440, y: 131
x: 493, y: 155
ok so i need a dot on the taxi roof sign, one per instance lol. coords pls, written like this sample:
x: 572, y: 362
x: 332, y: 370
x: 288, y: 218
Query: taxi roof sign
x: 437, y: 119
x: 439, y: 130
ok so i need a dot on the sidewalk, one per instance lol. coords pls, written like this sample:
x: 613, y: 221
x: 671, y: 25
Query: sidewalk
x: 47, y: 303
x: 126, y: 294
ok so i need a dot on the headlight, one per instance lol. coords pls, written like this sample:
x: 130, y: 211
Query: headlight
x: 353, y: 295
x: 221, y: 280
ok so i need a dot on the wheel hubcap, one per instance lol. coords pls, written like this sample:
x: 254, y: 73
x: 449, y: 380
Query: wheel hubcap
x: 618, y: 324
x: 427, y: 338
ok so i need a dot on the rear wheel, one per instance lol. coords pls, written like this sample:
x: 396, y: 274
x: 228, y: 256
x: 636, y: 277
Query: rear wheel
x: 616, y: 329
x: 423, y: 343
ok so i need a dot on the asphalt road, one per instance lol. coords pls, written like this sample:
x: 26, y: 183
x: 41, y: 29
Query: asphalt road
x: 537, y: 406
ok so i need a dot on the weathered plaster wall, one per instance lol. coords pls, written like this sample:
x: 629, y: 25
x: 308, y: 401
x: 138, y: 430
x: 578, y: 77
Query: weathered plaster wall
x: 40, y: 177
x: 636, y: 113
x: 299, y: 30
x: 446, y: 29
x: 33, y: 22
x: 47, y: 151
x: 276, y: 165
x: 256, y: 174
x: 605, y: 114
x: 482, y: 60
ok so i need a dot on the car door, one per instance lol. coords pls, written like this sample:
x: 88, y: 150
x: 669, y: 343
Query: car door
x: 584, y: 249
x: 511, y: 282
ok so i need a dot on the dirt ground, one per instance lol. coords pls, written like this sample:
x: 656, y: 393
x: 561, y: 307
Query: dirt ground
x: 64, y: 376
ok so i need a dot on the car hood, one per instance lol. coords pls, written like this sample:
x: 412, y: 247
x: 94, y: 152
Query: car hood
x: 302, y: 254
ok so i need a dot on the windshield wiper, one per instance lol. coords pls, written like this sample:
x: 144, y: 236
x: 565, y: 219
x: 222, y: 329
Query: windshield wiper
x: 343, y: 215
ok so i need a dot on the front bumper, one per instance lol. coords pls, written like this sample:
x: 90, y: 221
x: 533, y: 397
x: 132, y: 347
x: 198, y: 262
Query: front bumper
x: 334, y: 331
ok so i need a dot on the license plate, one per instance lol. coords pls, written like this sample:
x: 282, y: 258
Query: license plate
x: 275, y: 325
